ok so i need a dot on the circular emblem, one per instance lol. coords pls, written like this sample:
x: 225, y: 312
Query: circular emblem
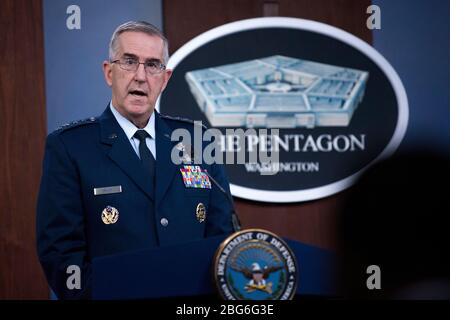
x: 200, y: 212
x: 325, y: 104
x: 255, y: 264
x: 110, y: 215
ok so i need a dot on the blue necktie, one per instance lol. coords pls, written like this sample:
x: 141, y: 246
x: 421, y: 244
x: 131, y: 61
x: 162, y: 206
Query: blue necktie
x: 147, y: 159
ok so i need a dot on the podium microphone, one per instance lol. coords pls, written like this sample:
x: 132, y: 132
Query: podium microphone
x: 234, y: 217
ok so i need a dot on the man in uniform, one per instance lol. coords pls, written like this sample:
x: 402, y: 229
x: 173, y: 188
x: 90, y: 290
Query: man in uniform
x: 109, y: 184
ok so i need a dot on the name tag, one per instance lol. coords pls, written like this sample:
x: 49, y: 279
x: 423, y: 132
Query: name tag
x: 107, y: 190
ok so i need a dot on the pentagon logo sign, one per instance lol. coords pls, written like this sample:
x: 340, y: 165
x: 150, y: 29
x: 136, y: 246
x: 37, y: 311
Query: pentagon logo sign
x: 255, y: 264
x: 277, y: 92
x: 335, y: 104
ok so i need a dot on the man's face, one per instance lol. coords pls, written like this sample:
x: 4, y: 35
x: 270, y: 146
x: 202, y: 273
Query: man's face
x: 134, y: 93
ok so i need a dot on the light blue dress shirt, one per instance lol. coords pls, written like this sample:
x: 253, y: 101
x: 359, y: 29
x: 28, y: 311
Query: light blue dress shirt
x: 130, y: 129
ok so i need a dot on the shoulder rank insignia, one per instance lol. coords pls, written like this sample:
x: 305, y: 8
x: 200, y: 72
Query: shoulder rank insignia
x: 186, y: 120
x: 195, y: 177
x: 77, y: 123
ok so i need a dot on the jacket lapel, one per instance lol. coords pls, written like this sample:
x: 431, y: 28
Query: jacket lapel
x: 119, y: 149
x: 165, y: 168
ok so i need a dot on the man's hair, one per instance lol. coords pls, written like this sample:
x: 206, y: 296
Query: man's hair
x: 138, y: 26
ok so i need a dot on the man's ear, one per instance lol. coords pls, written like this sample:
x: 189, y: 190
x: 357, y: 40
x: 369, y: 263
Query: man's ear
x: 167, y: 75
x: 107, y: 71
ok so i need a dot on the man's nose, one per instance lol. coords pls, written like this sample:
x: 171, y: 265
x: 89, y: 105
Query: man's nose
x: 140, y: 74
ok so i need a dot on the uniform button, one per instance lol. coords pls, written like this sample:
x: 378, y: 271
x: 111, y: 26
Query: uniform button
x: 164, y: 222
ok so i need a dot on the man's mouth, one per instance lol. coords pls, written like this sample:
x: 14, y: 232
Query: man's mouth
x: 138, y: 92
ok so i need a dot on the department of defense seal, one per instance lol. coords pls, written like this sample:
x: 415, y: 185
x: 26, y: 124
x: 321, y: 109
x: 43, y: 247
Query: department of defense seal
x: 255, y: 264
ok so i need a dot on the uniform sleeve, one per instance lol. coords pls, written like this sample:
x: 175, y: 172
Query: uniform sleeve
x: 221, y: 207
x: 60, y: 229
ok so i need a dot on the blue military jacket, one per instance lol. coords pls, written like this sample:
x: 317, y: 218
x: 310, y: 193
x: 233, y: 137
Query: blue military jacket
x: 96, y: 153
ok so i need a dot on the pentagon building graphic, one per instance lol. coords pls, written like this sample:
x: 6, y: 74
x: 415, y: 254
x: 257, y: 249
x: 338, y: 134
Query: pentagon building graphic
x: 278, y: 92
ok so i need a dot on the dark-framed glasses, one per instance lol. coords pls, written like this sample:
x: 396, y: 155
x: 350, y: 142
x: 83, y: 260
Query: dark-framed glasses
x: 131, y: 64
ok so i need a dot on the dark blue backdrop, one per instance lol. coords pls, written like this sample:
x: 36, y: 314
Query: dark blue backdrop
x: 415, y: 39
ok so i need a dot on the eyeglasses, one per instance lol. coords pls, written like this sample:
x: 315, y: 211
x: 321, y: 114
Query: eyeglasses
x: 130, y: 64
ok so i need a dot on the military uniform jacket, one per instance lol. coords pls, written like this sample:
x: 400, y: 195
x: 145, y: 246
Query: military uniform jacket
x: 96, y: 153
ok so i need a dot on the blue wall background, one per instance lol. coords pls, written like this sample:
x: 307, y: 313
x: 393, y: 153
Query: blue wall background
x: 415, y: 39
x: 75, y: 87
